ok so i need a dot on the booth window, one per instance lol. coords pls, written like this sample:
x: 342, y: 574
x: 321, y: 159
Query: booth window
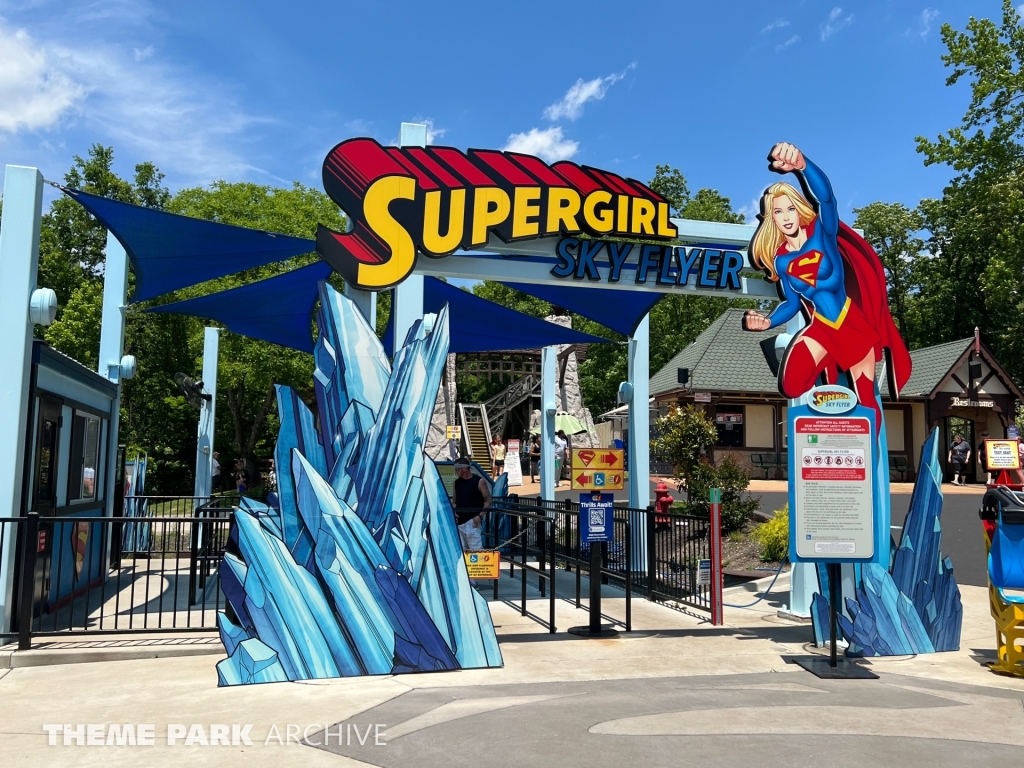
x: 729, y: 423
x: 85, y: 440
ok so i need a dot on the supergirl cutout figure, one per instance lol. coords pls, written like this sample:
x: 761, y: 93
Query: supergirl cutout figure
x: 828, y: 271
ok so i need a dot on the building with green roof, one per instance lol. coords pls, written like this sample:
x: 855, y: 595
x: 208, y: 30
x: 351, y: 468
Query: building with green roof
x: 957, y: 386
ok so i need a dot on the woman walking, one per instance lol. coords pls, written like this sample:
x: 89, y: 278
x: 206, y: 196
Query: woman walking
x: 498, y: 455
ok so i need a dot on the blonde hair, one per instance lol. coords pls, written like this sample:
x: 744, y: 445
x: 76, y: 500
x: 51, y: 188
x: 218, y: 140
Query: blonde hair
x: 768, y: 237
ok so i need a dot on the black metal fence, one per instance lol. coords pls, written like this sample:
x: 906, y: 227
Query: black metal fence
x: 155, y: 570
x: 89, y: 574
x: 657, y: 555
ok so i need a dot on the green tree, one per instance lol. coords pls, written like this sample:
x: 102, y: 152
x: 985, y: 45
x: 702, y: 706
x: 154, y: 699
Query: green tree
x: 684, y: 439
x: 250, y: 368
x: 892, y: 229
x: 973, y: 274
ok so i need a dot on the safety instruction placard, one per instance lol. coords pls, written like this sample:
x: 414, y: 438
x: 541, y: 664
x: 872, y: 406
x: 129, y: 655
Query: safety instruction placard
x: 833, y: 473
x: 483, y: 564
x: 599, y: 469
x: 453, y: 432
x: 1001, y: 454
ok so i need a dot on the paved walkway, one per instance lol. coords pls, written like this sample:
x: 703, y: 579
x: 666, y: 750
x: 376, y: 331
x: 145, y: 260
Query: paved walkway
x: 675, y: 691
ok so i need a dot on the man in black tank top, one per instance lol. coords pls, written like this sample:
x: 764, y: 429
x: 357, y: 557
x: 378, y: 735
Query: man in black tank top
x: 472, y: 500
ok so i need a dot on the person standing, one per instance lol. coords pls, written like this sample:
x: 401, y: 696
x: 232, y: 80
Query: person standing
x: 215, y: 478
x: 241, y: 477
x: 959, y: 455
x: 472, y: 500
x: 983, y: 458
x: 498, y: 455
x: 561, y: 443
x: 534, y: 457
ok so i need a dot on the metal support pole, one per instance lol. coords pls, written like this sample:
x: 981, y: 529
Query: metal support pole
x: 115, y: 297
x: 639, y: 439
x: 548, y: 365
x: 29, y: 550
x: 407, y: 300
x: 207, y: 416
x: 366, y: 303
x: 717, y: 576
x: 19, y: 263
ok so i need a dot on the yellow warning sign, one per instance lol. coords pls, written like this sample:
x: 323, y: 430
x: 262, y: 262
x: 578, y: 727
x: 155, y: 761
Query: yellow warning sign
x: 599, y: 469
x: 483, y: 564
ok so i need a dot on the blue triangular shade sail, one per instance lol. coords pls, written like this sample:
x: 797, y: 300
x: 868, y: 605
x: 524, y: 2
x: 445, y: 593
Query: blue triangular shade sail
x: 619, y: 310
x: 478, y: 325
x: 169, y: 251
x: 278, y: 309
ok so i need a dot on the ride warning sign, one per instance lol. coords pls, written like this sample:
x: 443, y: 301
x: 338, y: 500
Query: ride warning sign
x: 834, y: 516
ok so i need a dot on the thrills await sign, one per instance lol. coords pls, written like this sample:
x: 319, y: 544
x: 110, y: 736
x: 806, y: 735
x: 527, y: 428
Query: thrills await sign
x: 436, y: 200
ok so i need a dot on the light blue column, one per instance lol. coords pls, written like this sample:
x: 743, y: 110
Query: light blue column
x: 407, y: 303
x: 366, y: 302
x: 115, y: 297
x: 548, y: 378
x: 803, y: 577
x: 19, y: 263
x: 640, y: 439
x: 207, y: 413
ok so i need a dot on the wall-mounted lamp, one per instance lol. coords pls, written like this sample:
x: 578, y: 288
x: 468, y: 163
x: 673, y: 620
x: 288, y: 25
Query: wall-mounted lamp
x: 42, y: 307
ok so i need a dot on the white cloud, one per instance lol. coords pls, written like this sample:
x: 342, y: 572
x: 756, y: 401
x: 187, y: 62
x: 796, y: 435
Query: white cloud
x: 793, y: 40
x: 548, y: 144
x: 777, y: 24
x: 186, y: 123
x: 835, y: 22
x: 571, y: 105
x: 927, y: 17
x: 433, y: 132
x: 34, y: 90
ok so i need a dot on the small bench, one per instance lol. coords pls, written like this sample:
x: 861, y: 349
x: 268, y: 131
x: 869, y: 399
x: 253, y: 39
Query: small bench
x: 899, y: 465
x: 770, y: 462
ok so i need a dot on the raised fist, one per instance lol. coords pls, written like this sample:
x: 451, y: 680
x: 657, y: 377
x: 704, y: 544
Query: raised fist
x: 755, y: 321
x: 786, y: 158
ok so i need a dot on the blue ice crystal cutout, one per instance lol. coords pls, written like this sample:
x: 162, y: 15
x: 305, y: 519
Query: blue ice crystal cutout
x: 358, y: 569
x: 916, y: 607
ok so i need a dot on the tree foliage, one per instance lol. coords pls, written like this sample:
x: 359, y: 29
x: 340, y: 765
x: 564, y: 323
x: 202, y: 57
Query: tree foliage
x: 155, y: 417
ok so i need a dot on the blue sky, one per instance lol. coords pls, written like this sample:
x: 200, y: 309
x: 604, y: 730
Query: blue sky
x: 260, y: 91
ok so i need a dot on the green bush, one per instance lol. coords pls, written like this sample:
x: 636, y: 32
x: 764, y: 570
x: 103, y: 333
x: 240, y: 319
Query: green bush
x: 733, y: 482
x: 773, y: 536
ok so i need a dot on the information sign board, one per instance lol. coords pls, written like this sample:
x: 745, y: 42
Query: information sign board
x: 513, y: 464
x: 453, y: 432
x: 483, y: 564
x: 1001, y: 454
x: 703, y: 573
x: 598, y: 469
x: 835, y: 507
x: 597, y: 517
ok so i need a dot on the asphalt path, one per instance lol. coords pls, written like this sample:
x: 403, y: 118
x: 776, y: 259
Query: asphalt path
x: 962, y: 537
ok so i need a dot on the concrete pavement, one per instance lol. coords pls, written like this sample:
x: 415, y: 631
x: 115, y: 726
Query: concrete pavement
x: 676, y: 690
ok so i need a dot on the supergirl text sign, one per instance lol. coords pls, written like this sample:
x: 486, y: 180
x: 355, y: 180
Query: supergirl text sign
x: 436, y: 200
x: 611, y: 261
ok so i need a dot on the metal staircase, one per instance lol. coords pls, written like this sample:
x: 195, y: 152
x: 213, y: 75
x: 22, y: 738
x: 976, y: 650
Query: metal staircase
x: 476, y: 434
x: 498, y: 407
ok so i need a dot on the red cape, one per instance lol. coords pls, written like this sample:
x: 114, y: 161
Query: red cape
x: 866, y: 287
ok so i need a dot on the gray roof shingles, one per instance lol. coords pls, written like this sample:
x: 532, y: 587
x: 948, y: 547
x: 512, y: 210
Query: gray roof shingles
x: 723, y: 358
x: 726, y: 358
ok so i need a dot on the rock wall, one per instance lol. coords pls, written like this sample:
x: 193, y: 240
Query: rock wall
x: 569, y: 398
x: 437, y: 443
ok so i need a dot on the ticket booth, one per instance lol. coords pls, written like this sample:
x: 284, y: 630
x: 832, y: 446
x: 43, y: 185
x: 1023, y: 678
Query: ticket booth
x: 68, y: 431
